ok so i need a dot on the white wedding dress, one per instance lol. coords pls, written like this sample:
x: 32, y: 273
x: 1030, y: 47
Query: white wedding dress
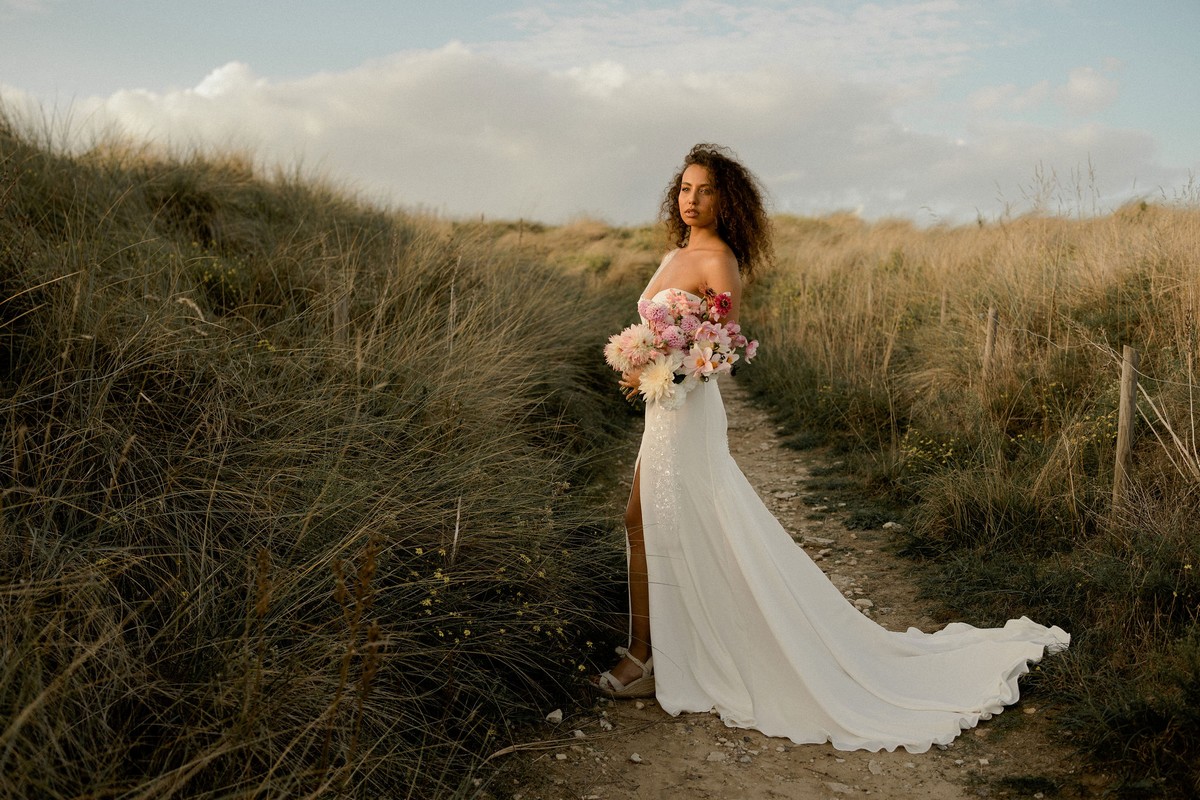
x: 744, y: 622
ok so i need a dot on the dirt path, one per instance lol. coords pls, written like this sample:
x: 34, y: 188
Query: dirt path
x: 634, y: 750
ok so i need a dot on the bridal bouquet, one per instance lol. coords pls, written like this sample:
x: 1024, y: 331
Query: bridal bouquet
x: 681, y: 342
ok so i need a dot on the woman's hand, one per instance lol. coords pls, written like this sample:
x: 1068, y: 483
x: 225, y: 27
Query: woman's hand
x: 630, y: 382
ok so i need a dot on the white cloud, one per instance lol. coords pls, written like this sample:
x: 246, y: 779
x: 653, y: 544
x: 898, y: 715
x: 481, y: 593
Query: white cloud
x: 1009, y: 97
x: 898, y: 43
x: 592, y: 112
x: 1087, y: 92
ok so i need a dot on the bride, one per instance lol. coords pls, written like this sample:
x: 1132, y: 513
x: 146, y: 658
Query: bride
x: 743, y: 622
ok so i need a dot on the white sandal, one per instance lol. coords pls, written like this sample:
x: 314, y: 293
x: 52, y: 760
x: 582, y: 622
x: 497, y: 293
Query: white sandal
x: 638, y: 687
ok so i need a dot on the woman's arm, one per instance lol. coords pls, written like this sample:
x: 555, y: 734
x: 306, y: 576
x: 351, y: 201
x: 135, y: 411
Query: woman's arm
x: 719, y: 272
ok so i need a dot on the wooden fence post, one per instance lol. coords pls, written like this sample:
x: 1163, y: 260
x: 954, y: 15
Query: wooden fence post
x: 989, y: 345
x: 1129, y: 363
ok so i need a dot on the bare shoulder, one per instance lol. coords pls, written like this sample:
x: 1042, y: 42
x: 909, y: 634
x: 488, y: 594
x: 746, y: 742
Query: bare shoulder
x: 719, y: 268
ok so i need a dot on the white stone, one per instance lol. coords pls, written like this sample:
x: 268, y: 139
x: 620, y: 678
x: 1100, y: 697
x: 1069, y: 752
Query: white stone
x: 875, y: 767
x: 555, y: 716
x: 560, y: 756
x: 983, y: 762
x: 839, y: 788
x: 893, y: 526
x: 635, y: 758
x: 717, y: 755
x: 863, y: 602
x: 578, y: 734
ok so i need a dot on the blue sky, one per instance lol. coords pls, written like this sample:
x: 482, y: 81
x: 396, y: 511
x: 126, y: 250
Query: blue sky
x: 934, y: 110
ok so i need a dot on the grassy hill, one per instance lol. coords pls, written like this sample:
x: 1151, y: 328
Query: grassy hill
x: 296, y: 492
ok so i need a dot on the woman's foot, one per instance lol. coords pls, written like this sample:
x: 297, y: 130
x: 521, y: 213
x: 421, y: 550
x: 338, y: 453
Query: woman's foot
x: 631, y: 677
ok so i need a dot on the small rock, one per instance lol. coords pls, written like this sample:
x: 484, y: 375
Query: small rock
x: 983, y: 762
x: 560, y: 756
x: 578, y: 734
x: 779, y: 749
x: 893, y: 526
x: 839, y: 788
x: 821, y: 540
x: 605, y: 724
x: 862, y: 603
x: 635, y: 758
x: 716, y: 755
x: 784, y: 495
x: 840, y: 760
x: 1030, y: 710
x: 959, y: 761
x: 910, y: 765
x: 745, y: 759
x: 875, y: 767
x: 555, y: 716
x: 639, y: 705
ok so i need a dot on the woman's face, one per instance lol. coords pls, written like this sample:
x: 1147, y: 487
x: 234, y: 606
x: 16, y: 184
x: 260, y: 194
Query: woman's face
x: 698, y: 198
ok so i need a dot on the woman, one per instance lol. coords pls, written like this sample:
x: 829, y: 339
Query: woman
x: 743, y: 621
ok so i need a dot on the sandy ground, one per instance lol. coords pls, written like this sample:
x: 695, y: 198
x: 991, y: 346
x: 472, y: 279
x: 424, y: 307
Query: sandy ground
x: 632, y: 749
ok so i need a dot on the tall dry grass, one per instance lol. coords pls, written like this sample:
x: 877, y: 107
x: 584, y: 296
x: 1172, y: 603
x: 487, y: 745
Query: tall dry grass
x: 294, y: 492
x: 873, y: 337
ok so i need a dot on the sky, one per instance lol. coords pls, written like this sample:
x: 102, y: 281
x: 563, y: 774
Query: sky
x: 937, y: 111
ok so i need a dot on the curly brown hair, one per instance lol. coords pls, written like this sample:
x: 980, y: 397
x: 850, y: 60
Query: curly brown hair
x: 742, y: 221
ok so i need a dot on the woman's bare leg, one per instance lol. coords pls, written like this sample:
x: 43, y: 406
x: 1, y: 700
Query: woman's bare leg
x: 639, y: 588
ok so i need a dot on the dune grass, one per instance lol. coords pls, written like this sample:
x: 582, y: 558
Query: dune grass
x: 294, y: 491
x: 299, y: 496
x: 873, y: 337
x: 872, y: 343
